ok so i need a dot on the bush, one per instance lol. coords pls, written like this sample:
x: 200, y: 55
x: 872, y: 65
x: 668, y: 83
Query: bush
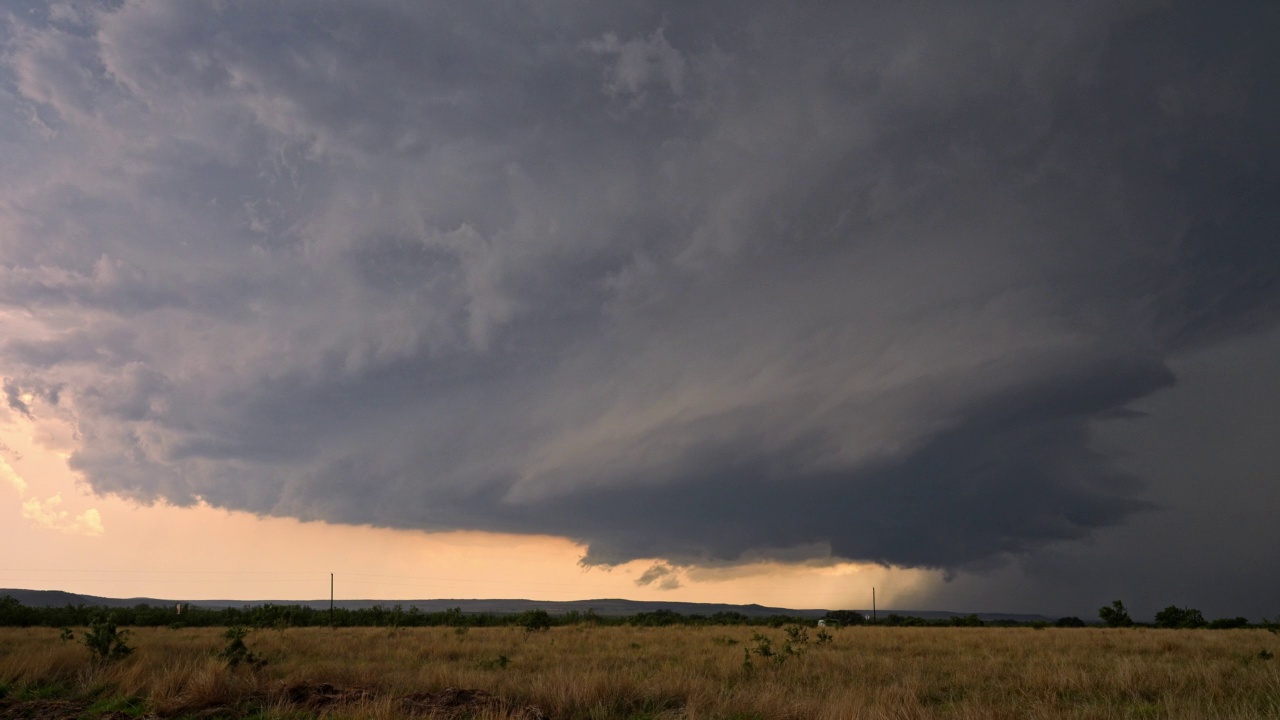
x: 498, y: 663
x: 1115, y: 615
x: 1176, y: 617
x: 795, y: 645
x: 237, y: 653
x: 763, y: 645
x: 797, y: 639
x: 104, y: 642
x: 1229, y: 623
x: 1069, y: 622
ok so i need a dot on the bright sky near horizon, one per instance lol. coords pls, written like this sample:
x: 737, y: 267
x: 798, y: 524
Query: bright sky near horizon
x: 56, y: 535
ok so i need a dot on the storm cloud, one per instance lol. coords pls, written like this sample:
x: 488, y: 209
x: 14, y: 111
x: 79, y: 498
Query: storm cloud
x: 697, y: 281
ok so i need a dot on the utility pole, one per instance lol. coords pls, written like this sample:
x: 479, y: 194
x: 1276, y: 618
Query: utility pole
x: 330, y: 599
x: 873, y: 605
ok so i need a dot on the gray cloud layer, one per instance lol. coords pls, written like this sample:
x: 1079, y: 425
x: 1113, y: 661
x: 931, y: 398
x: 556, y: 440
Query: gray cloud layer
x: 693, y: 281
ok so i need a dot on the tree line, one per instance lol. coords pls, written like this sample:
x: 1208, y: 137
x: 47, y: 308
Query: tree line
x: 1174, y: 617
x: 14, y: 614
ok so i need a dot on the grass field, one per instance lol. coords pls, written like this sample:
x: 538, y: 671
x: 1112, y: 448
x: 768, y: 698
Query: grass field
x: 671, y: 672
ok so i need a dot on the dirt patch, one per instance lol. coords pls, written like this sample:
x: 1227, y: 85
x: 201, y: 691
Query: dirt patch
x: 455, y: 702
x: 40, y: 709
x: 43, y: 709
x: 314, y: 697
x: 446, y: 704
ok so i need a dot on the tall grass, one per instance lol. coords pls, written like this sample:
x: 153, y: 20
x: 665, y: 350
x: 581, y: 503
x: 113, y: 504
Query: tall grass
x: 673, y: 672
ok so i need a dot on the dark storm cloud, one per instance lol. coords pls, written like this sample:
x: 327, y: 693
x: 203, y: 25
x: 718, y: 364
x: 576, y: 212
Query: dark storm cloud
x: 961, y: 494
x: 1213, y: 538
x: 691, y: 281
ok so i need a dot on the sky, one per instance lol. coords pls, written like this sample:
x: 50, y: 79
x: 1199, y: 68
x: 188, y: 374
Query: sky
x: 976, y: 303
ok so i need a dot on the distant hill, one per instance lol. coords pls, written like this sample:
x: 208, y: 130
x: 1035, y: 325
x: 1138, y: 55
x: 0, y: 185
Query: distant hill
x: 58, y: 598
x: 610, y: 606
x: 603, y: 606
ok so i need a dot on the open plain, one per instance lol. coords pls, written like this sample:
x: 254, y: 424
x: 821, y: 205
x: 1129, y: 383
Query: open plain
x: 605, y: 673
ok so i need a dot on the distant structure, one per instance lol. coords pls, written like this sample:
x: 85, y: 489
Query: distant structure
x: 178, y: 608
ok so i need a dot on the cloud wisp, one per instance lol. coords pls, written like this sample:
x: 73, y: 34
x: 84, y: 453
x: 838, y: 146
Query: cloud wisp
x: 699, y: 281
x: 48, y: 513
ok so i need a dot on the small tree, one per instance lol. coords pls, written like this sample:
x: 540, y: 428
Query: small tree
x: 846, y: 617
x: 1115, y: 615
x: 534, y: 620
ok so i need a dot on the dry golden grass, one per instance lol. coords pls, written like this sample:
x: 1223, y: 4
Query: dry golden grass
x: 672, y: 672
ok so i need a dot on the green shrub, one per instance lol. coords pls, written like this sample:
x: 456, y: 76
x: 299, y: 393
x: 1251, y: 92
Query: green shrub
x: 236, y: 653
x: 763, y: 646
x: 796, y: 635
x: 498, y: 663
x: 796, y: 644
x: 104, y: 642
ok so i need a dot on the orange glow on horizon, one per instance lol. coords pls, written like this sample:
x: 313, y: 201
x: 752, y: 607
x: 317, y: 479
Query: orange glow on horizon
x: 56, y: 535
